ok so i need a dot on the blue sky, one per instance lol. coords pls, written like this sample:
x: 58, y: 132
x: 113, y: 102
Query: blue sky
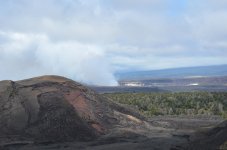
x: 89, y: 40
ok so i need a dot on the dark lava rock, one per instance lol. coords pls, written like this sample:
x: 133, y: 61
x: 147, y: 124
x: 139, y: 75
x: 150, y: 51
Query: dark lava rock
x: 53, y: 108
x: 213, y: 139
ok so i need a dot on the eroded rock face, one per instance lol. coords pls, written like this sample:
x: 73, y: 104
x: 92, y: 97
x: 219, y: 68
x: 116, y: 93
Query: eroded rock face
x: 53, y: 108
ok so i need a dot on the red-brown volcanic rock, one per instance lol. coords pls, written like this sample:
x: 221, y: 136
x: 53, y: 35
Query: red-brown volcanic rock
x: 53, y: 108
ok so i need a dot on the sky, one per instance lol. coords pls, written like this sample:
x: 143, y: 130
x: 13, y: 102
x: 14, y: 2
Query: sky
x: 90, y: 40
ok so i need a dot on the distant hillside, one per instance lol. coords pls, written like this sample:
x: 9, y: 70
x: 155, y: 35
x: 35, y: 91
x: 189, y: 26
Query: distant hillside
x: 187, y: 81
x: 218, y: 70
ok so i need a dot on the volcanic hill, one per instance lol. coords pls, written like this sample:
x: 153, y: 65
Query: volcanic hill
x: 54, y: 108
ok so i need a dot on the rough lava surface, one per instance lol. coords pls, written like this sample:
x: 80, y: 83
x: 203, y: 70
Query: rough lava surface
x: 54, y: 108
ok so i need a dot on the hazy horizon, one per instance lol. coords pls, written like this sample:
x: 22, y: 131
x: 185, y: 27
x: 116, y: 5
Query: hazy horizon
x: 89, y: 41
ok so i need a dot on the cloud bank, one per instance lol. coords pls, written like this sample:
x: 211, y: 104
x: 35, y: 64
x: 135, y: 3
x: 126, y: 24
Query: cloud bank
x: 26, y: 55
x: 90, y: 40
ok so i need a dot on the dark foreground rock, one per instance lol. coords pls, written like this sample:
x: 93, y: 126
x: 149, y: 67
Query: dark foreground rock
x: 213, y: 139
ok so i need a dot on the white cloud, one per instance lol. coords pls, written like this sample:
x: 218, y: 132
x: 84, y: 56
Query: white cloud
x: 25, y: 55
x: 88, y: 40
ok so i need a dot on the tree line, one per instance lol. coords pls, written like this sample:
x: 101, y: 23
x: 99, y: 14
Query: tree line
x: 184, y: 103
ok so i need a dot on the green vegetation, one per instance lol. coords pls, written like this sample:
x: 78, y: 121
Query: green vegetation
x: 185, y: 103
